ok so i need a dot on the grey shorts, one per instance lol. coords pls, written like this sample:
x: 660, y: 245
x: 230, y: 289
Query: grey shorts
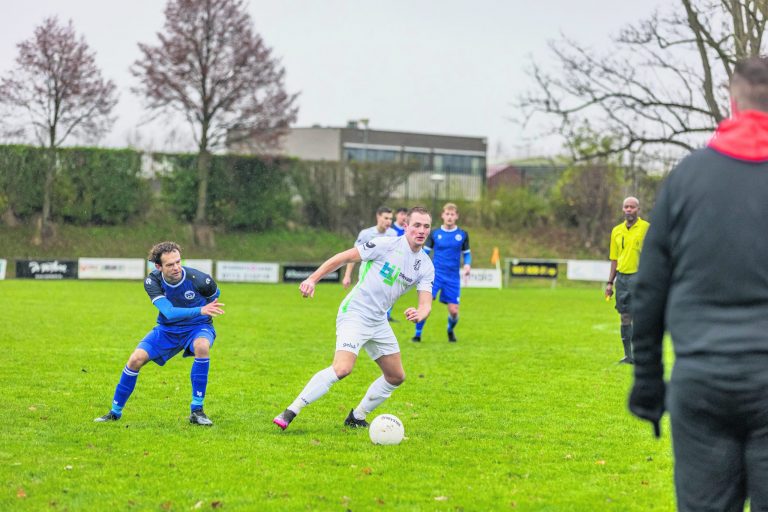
x: 623, y: 290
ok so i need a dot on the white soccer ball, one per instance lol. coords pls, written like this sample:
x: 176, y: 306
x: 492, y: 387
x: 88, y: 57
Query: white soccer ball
x: 386, y: 429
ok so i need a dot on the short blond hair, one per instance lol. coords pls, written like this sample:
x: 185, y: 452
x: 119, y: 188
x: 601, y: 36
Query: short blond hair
x: 451, y: 206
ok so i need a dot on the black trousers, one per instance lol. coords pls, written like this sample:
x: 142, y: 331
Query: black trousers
x: 720, y: 440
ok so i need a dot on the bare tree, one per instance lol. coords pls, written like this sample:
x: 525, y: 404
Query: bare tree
x: 663, y: 81
x: 56, y: 91
x: 212, y: 67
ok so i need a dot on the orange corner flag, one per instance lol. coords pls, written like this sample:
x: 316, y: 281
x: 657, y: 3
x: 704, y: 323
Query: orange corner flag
x: 495, y: 256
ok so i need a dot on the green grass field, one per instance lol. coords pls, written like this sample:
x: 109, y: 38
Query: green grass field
x: 526, y: 412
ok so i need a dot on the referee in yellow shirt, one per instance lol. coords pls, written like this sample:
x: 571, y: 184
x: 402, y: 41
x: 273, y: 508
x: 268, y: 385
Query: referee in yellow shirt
x: 626, y: 244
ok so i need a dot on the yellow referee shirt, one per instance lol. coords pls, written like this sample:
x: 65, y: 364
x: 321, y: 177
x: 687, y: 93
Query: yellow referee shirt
x: 626, y: 245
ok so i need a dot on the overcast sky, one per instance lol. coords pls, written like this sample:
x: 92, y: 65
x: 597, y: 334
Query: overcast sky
x: 443, y: 66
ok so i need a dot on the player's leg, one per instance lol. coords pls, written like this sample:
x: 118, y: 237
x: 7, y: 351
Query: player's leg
x: 392, y: 375
x: 756, y: 450
x: 198, y: 375
x: 386, y: 352
x: 623, y: 307
x: 453, y: 319
x: 349, y: 338
x: 436, y: 287
x: 708, y: 445
x: 626, y: 337
x: 318, y: 386
x: 126, y: 384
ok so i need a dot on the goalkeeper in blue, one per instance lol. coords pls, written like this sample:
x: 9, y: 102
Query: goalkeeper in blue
x: 452, y: 259
x: 187, y: 300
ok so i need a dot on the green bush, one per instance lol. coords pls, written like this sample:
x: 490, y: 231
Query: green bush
x: 244, y: 192
x: 22, y: 172
x: 91, y: 185
x: 99, y: 186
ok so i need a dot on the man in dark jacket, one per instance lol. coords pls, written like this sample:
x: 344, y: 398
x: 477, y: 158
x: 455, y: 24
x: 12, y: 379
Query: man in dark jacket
x: 704, y: 278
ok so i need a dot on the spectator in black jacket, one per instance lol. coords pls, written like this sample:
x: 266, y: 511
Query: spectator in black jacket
x: 703, y: 277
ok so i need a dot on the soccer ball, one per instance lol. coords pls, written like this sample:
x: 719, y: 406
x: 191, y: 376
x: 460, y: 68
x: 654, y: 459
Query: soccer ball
x: 386, y: 429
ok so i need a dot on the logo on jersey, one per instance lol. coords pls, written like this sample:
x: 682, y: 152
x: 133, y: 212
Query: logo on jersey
x: 458, y: 238
x: 389, y: 273
x: 439, y: 236
x: 207, y: 280
x: 189, y: 295
x: 417, y: 265
x: 148, y: 281
x: 369, y: 245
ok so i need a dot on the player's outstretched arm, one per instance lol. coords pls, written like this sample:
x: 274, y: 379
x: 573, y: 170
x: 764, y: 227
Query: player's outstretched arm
x: 173, y: 313
x: 420, y: 313
x: 307, y: 287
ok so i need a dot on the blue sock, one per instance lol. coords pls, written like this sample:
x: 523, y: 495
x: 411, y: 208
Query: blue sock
x: 452, y: 321
x: 199, y: 377
x: 124, y: 389
x: 420, y: 327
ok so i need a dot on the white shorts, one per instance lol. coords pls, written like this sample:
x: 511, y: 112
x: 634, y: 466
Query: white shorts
x: 353, y: 333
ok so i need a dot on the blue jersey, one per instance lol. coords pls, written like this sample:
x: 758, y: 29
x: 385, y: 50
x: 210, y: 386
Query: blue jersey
x: 450, y: 247
x: 400, y: 231
x: 195, y: 290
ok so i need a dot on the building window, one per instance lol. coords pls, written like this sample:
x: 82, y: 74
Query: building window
x: 460, y: 164
x: 371, y: 155
x: 419, y: 160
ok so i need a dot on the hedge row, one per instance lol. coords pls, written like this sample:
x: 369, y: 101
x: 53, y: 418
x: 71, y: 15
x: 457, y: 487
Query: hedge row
x: 111, y: 186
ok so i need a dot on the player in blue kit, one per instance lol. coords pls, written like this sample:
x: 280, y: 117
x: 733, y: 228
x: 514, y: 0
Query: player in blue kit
x: 450, y: 245
x: 188, y: 301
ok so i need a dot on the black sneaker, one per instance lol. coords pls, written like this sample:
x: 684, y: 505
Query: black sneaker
x: 198, y: 417
x: 110, y: 416
x: 353, y: 422
x: 451, y: 337
x: 416, y: 339
x: 284, y: 419
x: 626, y: 360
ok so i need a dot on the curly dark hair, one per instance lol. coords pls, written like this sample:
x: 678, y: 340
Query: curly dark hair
x: 157, y: 251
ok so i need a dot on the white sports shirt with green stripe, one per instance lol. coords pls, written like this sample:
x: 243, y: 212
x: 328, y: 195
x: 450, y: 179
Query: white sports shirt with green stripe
x: 389, y: 269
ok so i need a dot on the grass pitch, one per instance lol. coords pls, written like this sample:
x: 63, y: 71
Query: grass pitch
x: 526, y: 412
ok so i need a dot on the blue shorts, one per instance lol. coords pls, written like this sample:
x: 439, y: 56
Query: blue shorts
x: 162, y: 344
x: 450, y: 289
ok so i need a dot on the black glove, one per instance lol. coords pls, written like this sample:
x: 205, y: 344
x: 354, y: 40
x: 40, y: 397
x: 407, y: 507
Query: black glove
x: 646, y: 400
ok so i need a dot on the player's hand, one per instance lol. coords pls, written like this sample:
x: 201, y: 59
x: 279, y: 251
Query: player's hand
x: 467, y: 270
x: 608, y: 291
x: 646, y: 401
x: 212, y: 309
x: 307, y: 288
x: 412, y: 315
x: 346, y: 282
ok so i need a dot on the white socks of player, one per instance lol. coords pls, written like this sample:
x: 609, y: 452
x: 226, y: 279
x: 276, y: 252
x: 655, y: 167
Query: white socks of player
x: 379, y: 391
x: 317, y: 386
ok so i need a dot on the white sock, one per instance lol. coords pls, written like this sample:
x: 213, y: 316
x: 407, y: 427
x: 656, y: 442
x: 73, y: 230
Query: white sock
x: 317, y: 386
x: 379, y: 391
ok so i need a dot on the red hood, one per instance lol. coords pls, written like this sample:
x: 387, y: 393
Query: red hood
x: 744, y: 136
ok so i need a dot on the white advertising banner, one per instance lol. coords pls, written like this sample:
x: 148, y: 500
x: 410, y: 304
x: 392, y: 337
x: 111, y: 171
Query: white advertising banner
x: 247, y: 272
x: 111, y: 268
x: 201, y: 265
x: 589, y: 270
x: 3, y: 265
x: 482, y: 278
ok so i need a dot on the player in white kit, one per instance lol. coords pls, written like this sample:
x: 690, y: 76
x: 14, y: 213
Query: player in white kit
x: 390, y: 267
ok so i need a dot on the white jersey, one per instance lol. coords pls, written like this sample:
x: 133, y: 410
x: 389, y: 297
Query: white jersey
x: 372, y: 232
x: 389, y: 269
